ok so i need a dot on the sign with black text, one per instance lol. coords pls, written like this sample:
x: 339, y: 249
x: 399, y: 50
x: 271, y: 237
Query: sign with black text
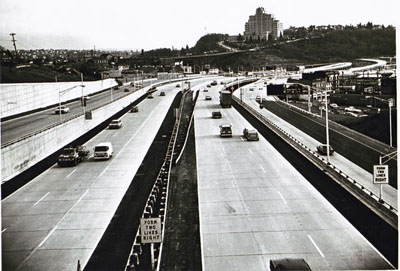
x: 150, y: 230
x: 381, y: 174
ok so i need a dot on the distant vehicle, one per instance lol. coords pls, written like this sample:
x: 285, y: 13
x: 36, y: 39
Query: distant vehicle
x: 134, y: 109
x: 103, y: 150
x: 71, y: 156
x: 126, y: 90
x: 297, y: 264
x: 162, y: 93
x: 178, y: 86
x: 258, y: 99
x: 150, y: 96
x: 333, y: 105
x: 251, y: 89
x: 205, y: 90
x: 250, y: 135
x: 352, y: 109
x: 225, y: 130
x: 322, y: 149
x: 208, y: 86
x: 63, y: 109
x: 115, y: 124
x: 208, y: 98
x: 153, y: 88
x: 222, y: 82
x: 216, y: 115
x: 214, y: 83
x: 225, y: 99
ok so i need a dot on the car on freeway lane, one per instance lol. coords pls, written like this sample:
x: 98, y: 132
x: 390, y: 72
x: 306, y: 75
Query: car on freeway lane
x: 208, y: 86
x: 225, y: 130
x: 103, y: 150
x: 216, y: 115
x: 214, y: 83
x: 258, y: 99
x: 178, y: 86
x: 126, y: 89
x: 150, y: 96
x: 208, y: 98
x: 162, y: 93
x: 322, y: 149
x: 134, y: 109
x: 62, y: 109
x: 250, y: 135
x: 115, y: 124
x: 205, y: 90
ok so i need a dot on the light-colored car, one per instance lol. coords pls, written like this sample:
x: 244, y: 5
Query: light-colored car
x: 225, y: 130
x: 103, y: 150
x: 258, y: 99
x: 250, y: 135
x: 63, y: 109
x: 115, y: 124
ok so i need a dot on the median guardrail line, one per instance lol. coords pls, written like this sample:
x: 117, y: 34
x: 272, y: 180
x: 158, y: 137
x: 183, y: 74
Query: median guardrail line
x: 386, y: 210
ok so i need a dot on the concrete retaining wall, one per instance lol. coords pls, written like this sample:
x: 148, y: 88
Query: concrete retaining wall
x: 25, y: 153
x: 20, y: 98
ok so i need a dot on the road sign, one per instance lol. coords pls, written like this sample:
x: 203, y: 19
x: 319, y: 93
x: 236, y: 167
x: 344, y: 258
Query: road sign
x: 381, y: 174
x: 150, y: 230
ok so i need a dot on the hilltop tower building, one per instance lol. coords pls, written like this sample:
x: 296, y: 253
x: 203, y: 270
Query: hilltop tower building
x: 262, y: 26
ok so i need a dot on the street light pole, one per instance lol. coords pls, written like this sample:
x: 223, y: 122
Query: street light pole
x: 390, y: 103
x: 326, y: 124
x: 83, y: 101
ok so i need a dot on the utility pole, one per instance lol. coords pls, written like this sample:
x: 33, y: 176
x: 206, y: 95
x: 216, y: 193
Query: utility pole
x: 14, y: 40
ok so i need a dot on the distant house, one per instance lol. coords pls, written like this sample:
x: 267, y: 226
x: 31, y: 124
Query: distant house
x: 6, y: 57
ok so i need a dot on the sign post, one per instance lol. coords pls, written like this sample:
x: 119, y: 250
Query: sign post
x: 150, y: 232
x: 381, y: 176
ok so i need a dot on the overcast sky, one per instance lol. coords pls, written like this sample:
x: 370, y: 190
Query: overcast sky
x: 132, y: 24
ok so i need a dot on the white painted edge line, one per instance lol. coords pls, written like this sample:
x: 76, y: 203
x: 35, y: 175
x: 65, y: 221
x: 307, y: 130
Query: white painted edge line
x: 315, y: 245
x: 4, y: 230
x: 70, y: 174
x: 281, y: 196
x: 250, y: 151
x: 41, y: 199
x: 262, y: 168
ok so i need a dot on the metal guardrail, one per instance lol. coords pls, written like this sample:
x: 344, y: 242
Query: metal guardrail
x: 157, y: 202
x: 369, y: 197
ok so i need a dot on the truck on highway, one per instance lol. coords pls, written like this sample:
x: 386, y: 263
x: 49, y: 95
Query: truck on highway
x: 225, y: 99
x: 71, y: 156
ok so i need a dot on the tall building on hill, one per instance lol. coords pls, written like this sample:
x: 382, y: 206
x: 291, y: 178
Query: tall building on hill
x: 261, y: 26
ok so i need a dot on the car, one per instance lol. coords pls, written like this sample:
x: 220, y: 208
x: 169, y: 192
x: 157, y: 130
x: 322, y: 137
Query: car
x: 205, y: 90
x: 126, y: 90
x: 208, y: 98
x: 208, y: 85
x: 162, y: 93
x: 103, y: 150
x: 250, y: 135
x: 134, y: 109
x: 150, y: 96
x: 115, y: 124
x: 298, y: 264
x: 322, y: 149
x: 222, y: 82
x: 251, y: 89
x: 214, y: 83
x: 62, y: 109
x: 178, y: 86
x: 225, y: 130
x: 333, y: 105
x: 258, y: 99
x: 216, y: 115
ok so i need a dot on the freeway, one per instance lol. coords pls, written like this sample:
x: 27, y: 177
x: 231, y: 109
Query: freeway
x: 255, y: 206
x: 60, y: 216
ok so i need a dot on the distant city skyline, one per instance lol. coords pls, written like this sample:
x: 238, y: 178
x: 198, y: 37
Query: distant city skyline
x: 128, y: 25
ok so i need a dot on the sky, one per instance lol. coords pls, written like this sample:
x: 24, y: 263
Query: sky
x: 136, y: 25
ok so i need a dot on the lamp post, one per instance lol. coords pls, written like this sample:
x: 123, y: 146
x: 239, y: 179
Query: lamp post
x: 390, y: 103
x: 62, y: 92
x: 327, y: 126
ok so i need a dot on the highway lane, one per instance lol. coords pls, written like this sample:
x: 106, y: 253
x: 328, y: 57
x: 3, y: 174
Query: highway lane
x: 60, y: 216
x: 254, y: 206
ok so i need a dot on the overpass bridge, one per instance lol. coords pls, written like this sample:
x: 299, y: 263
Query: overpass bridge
x: 254, y: 206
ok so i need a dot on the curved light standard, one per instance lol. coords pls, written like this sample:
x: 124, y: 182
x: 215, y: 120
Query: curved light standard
x: 62, y: 92
x: 390, y: 103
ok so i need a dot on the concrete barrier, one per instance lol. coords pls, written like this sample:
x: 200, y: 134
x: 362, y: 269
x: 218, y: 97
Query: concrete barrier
x: 19, y: 98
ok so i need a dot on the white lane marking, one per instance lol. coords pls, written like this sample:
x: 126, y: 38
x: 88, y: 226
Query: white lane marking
x: 262, y: 168
x: 241, y: 138
x: 104, y: 170
x: 3, y: 230
x: 283, y: 199
x: 91, y: 156
x: 41, y: 199
x: 315, y: 245
x: 70, y: 174
x: 251, y: 152
x: 115, y: 134
x: 48, y: 236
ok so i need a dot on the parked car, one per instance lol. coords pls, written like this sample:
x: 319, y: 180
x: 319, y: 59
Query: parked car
x: 322, y: 149
x: 63, y: 109
x: 208, y: 98
x: 134, y: 109
x: 103, y: 151
x: 216, y: 115
x: 115, y: 124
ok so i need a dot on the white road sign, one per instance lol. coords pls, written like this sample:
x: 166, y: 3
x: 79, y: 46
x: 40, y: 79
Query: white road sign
x: 381, y: 174
x: 150, y: 230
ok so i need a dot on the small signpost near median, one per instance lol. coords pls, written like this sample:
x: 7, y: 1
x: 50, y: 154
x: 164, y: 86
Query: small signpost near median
x: 381, y: 176
x: 150, y: 232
